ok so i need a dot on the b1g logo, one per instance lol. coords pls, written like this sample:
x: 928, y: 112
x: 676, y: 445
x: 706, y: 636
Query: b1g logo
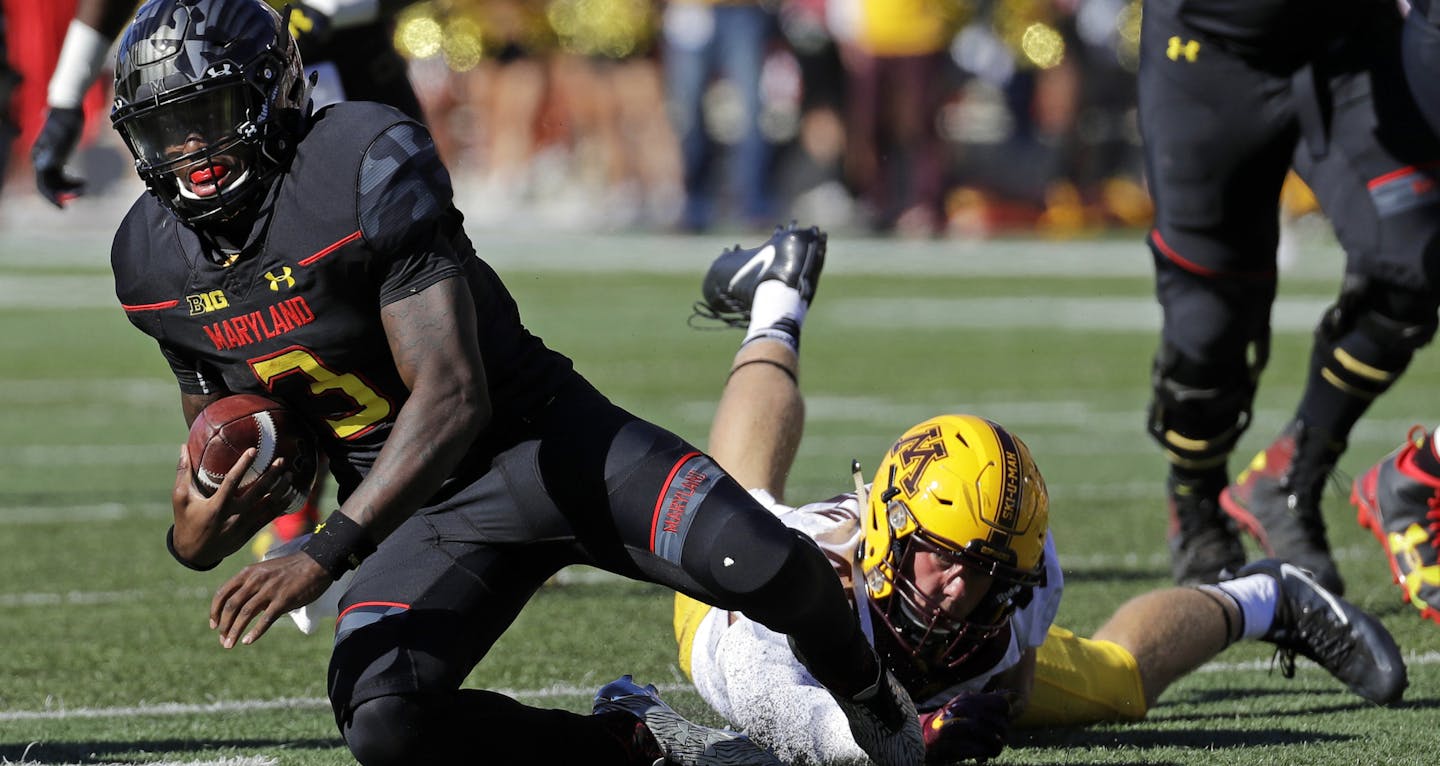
x: 204, y: 303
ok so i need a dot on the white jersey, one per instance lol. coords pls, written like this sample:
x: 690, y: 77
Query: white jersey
x: 748, y: 674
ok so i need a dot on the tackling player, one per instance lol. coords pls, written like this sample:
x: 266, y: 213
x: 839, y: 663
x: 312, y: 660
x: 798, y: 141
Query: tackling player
x: 319, y: 259
x: 955, y: 575
x: 1231, y: 94
x: 346, y: 43
x: 1398, y: 498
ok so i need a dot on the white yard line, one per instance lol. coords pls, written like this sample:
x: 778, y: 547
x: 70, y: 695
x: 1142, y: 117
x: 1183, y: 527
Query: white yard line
x: 556, y: 691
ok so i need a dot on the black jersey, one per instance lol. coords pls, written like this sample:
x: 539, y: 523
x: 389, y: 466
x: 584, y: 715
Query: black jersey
x: 363, y: 217
x: 1283, y: 32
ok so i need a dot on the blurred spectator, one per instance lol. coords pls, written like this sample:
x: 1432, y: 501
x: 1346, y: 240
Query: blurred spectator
x: 896, y: 59
x: 809, y: 172
x: 701, y: 38
x: 609, y: 93
x: 9, y: 79
x: 1046, y: 126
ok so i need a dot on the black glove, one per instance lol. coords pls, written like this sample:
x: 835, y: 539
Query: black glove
x: 971, y: 726
x: 308, y: 26
x: 53, y: 148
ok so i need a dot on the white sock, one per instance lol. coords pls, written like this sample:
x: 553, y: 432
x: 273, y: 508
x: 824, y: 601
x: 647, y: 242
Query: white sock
x: 1256, y: 595
x: 776, y: 311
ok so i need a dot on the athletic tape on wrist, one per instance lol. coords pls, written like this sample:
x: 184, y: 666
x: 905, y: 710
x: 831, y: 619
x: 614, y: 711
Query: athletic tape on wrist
x: 184, y: 562
x: 81, y: 57
x: 338, y: 545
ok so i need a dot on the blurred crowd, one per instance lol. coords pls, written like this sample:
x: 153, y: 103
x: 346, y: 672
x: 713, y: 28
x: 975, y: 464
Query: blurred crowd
x: 918, y: 117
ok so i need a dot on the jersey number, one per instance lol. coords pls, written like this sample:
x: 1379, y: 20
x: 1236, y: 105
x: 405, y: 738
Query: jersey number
x: 373, y: 407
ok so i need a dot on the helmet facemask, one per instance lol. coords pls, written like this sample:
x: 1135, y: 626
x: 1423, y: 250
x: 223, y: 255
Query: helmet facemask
x: 210, y: 115
x: 965, y: 490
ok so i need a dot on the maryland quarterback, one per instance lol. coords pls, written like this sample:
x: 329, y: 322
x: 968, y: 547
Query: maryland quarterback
x: 319, y: 259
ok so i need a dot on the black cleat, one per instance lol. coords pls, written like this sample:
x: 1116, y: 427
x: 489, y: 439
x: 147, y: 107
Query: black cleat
x: 1205, y: 547
x: 1337, y: 635
x: 1276, y: 500
x: 680, y: 742
x: 792, y: 255
x: 885, y: 724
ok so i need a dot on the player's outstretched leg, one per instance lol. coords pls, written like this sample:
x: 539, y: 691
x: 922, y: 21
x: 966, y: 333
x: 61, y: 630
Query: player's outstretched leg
x: 792, y: 256
x: 1313, y: 622
x: 1399, y: 502
x: 1276, y: 499
x: 679, y: 742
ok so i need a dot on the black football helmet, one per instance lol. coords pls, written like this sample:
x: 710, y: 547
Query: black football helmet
x: 210, y: 98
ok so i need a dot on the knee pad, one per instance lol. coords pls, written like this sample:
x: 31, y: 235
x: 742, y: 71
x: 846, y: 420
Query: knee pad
x: 1368, y: 337
x: 1200, y: 408
x: 387, y: 730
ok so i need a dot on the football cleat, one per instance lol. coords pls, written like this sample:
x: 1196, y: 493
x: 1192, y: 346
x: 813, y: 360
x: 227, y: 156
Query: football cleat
x: 792, y: 255
x: 885, y: 724
x: 681, y: 742
x: 1315, y: 623
x: 1204, y: 545
x: 1276, y: 500
x: 1400, y: 505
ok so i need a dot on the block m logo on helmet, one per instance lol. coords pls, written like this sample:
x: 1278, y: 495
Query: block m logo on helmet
x: 913, y: 453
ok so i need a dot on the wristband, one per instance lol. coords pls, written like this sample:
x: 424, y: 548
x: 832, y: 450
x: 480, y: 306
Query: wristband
x: 338, y: 545
x: 82, y: 56
x: 170, y: 546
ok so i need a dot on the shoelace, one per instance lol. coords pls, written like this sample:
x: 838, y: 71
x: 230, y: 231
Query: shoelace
x: 1330, y: 650
x: 722, y: 319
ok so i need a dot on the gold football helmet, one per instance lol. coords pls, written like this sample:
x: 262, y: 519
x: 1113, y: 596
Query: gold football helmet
x: 967, y: 489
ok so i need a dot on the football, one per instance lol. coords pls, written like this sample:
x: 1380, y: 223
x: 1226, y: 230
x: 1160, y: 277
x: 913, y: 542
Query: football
x: 229, y: 426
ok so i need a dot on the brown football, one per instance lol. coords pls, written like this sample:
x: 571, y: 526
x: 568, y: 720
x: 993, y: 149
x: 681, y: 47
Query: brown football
x: 229, y: 426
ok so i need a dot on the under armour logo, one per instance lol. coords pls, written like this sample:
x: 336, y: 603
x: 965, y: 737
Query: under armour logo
x: 219, y: 70
x: 1188, y: 49
x: 284, y: 277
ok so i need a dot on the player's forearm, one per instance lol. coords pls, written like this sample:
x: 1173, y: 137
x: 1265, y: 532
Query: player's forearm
x: 433, y: 339
x: 431, y: 434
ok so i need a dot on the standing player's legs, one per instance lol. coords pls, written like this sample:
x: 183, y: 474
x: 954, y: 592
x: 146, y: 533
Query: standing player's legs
x: 1218, y: 139
x: 1371, y: 162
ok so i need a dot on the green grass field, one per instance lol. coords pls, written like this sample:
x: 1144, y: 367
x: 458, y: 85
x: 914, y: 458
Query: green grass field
x: 105, y: 656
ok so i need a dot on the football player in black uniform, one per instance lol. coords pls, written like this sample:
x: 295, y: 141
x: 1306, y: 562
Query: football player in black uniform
x: 1231, y: 95
x: 346, y: 42
x: 1398, y: 498
x: 319, y: 259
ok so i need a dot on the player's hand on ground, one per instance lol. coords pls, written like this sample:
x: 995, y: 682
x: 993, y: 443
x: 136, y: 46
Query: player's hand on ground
x: 972, y: 726
x: 263, y: 593
x: 207, y: 529
x: 53, y: 148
